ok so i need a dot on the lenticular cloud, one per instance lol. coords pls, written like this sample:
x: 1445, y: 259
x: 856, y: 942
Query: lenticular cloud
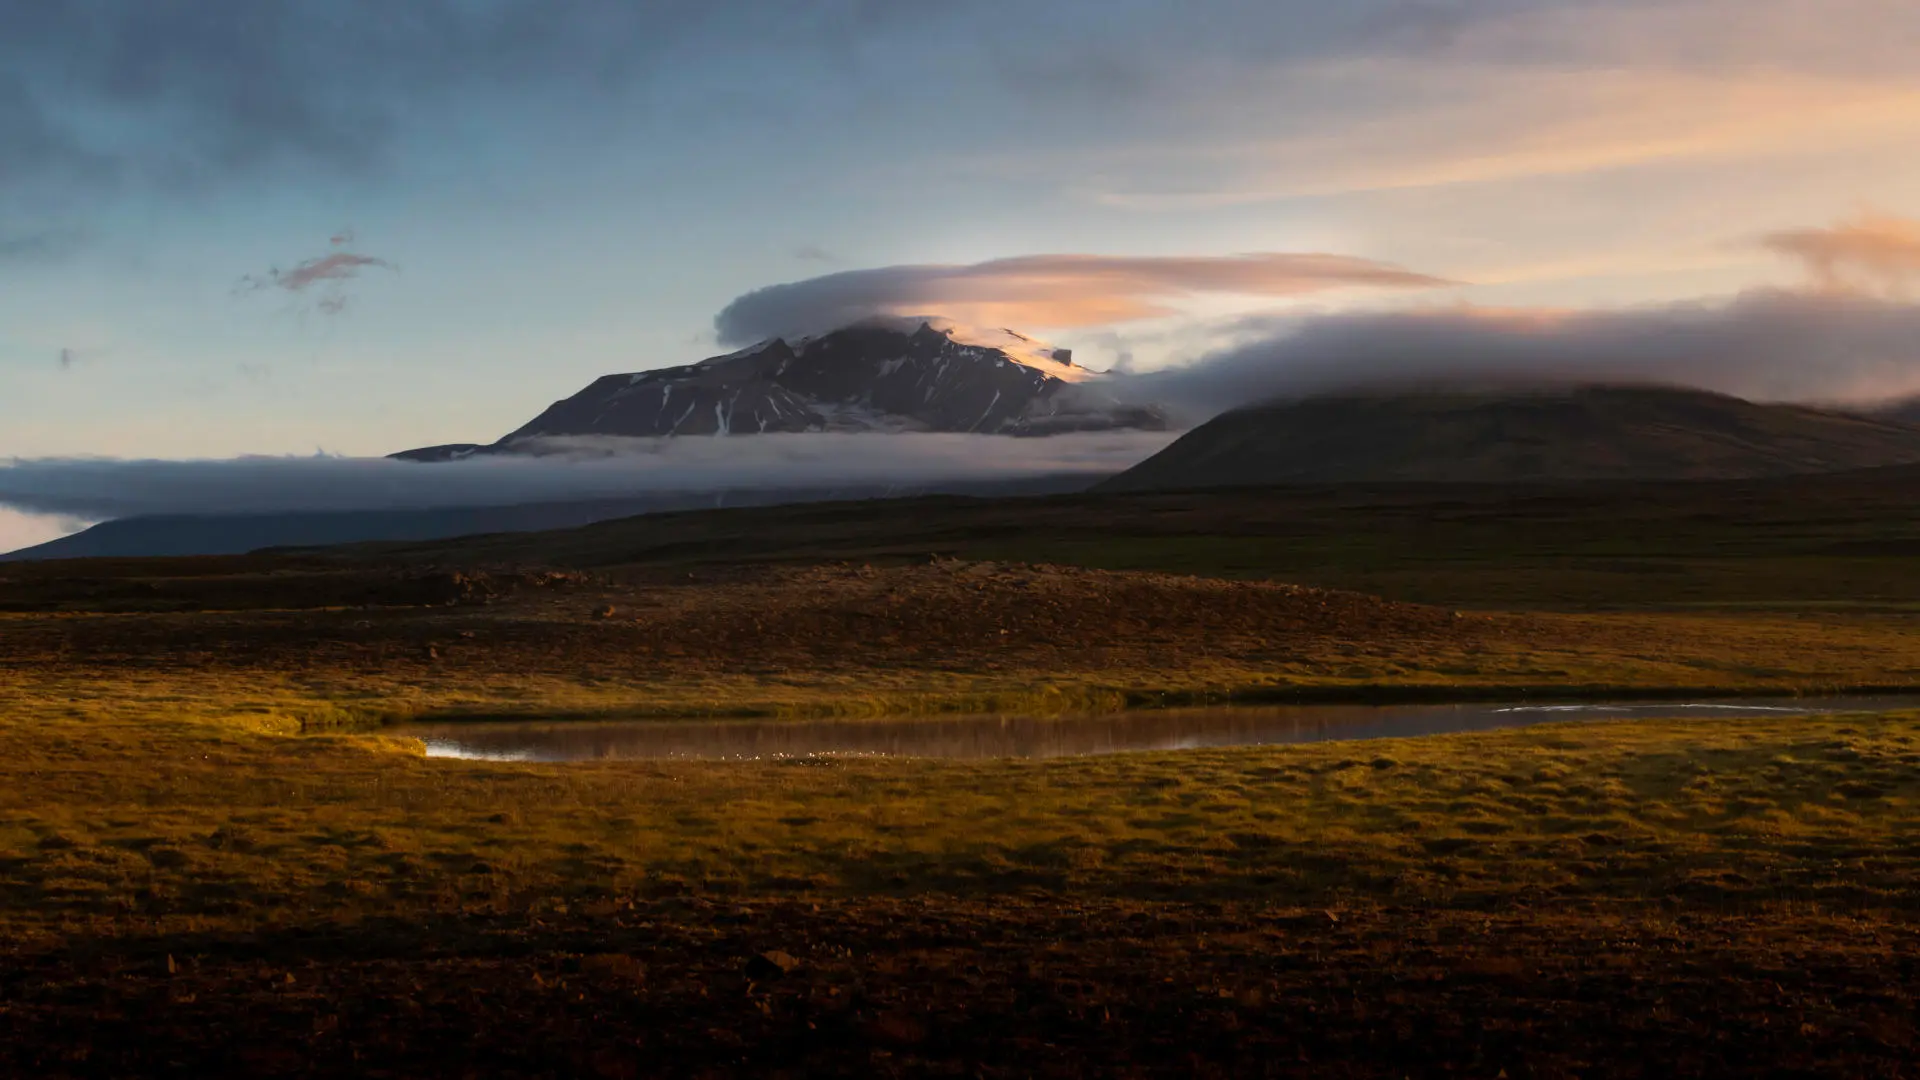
x: 1044, y: 291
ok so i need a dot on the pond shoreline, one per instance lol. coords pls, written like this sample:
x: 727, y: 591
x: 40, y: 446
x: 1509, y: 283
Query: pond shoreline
x: 1015, y: 735
x: 1063, y: 701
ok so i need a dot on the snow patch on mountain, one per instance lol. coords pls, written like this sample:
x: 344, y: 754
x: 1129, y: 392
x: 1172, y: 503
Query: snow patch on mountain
x: 1026, y: 351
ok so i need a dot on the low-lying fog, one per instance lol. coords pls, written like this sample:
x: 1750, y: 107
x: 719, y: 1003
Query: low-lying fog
x: 53, y: 497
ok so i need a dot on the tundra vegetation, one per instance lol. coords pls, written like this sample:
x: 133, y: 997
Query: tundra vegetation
x: 212, y: 850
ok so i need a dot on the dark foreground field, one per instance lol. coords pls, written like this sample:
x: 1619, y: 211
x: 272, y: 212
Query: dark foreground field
x: 1658, y: 898
x: 1012, y: 987
x: 212, y: 862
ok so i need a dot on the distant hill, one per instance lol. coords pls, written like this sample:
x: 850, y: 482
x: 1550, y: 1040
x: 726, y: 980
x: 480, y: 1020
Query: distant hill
x: 235, y: 534
x: 1575, y: 433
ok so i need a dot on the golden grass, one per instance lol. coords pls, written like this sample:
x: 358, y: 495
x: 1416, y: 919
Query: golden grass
x: 158, y: 797
x: 1505, y: 654
x: 142, y: 788
x: 155, y: 814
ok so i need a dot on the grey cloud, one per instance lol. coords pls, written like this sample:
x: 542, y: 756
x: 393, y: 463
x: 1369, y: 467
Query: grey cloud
x: 30, y: 143
x: 181, y: 92
x: 37, y: 244
x: 1039, y: 291
x: 1767, y: 345
x: 193, y: 91
x: 570, y: 469
x: 1106, y: 53
x: 240, y: 85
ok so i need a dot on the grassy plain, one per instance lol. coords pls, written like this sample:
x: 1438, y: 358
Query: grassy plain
x: 189, y: 883
x: 220, y: 893
x: 1838, y: 542
x: 184, y: 826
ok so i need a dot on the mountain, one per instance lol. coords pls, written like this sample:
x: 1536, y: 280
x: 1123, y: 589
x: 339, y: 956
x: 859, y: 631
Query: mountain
x: 1569, y: 433
x: 235, y: 534
x: 882, y: 375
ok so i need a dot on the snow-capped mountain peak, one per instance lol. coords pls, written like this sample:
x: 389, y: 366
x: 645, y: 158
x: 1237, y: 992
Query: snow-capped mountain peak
x: 892, y: 374
x: 1027, y: 351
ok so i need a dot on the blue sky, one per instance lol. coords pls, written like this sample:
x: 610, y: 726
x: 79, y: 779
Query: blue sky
x: 564, y: 189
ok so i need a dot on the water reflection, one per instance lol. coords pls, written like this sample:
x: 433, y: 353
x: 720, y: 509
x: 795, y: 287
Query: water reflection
x: 1063, y: 736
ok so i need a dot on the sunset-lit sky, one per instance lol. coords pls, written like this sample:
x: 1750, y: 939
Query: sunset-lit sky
x: 553, y: 190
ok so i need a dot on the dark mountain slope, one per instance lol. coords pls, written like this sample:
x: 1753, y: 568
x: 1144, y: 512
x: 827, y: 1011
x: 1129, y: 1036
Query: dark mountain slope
x: 234, y: 534
x: 1580, y: 433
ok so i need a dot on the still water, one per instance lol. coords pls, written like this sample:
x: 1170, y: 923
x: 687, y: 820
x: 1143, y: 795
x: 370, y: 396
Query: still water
x: 1003, y: 736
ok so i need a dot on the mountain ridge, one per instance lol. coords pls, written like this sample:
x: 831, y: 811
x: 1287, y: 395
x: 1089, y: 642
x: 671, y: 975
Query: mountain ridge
x: 923, y: 374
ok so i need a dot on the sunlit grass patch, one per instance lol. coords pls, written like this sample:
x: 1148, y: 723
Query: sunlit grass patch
x: 198, y: 821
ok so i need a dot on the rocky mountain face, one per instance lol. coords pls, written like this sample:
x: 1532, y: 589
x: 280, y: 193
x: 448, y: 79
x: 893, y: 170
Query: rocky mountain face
x: 872, y: 377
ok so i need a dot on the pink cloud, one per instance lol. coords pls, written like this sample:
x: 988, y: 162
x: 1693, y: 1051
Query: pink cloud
x: 329, y: 273
x: 1046, y: 291
x: 1871, y: 251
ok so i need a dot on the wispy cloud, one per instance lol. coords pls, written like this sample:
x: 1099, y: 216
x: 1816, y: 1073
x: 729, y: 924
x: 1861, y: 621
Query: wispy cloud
x: 1046, y: 291
x: 326, y: 275
x: 1871, y: 251
x: 1461, y: 126
x: 37, y: 243
x: 340, y: 266
x: 18, y: 530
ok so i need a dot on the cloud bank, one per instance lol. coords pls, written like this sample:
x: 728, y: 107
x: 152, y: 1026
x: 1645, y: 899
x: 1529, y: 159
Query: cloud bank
x: 1043, y: 291
x: 600, y: 468
x: 1817, y: 347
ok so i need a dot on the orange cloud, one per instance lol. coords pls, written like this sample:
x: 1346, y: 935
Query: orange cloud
x: 1045, y: 291
x: 1870, y: 251
x: 1465, y: 126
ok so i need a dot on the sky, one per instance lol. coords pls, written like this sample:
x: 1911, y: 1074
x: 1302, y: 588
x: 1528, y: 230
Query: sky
x: 282, y: 227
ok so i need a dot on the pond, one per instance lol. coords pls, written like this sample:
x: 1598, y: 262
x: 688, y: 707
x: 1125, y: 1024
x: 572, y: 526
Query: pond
x: 1013, y: 736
